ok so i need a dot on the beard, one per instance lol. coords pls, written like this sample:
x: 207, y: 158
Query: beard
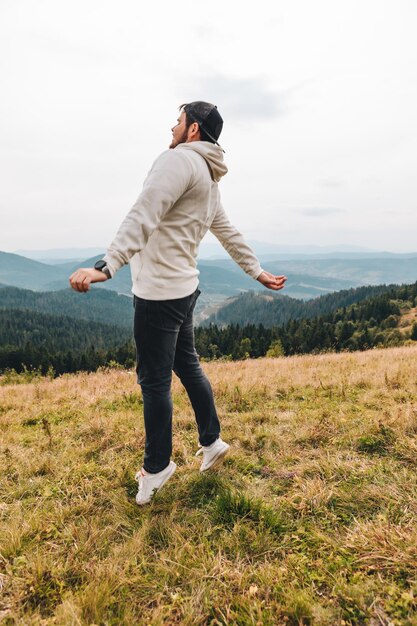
x: 181, y: 139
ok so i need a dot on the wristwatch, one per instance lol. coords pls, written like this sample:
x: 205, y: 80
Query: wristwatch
x: 102, y: 267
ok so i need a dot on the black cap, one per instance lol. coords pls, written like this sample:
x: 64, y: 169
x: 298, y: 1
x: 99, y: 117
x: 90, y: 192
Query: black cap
x: 207, y: 117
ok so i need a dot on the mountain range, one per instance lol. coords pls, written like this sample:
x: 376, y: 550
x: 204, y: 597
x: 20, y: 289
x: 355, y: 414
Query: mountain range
x: 308, y: 275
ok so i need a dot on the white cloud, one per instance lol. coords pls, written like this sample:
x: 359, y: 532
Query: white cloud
x: 243, y: 98
x: 320, y: 211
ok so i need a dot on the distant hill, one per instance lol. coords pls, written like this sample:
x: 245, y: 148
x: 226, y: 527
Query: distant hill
x: 19, y: 271
x: 396, y: 269
x: 98, y: 305
x: 121, y: 283
x: 274, y: 309
x: 218, y: 279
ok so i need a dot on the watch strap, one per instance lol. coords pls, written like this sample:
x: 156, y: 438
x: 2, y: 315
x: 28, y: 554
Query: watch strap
x: 101, y: 265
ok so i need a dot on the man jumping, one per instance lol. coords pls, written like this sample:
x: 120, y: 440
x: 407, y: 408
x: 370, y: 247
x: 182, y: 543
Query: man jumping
x: 159, y: 237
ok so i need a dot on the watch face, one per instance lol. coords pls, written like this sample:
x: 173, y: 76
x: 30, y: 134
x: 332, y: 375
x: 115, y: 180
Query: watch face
x: 100, y: 265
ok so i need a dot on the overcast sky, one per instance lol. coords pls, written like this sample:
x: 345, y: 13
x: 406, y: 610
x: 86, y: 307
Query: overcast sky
x: 319, y: 102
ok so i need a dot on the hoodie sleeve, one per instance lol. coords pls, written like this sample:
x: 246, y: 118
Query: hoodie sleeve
x: 234, y: 243
x: 167, y: 180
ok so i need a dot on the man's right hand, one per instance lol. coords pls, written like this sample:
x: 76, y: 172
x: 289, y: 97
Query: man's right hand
x: 81, y: 279
x: 270, y: 281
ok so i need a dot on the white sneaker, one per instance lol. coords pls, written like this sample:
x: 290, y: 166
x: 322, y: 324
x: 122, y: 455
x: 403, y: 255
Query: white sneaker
x: 214, y: 454
x: 150, y: 483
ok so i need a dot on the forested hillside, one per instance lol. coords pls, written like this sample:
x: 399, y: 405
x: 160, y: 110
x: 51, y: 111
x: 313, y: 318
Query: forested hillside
x: 99, y: 305
x: 271, y: 309
x: 388, y: 319
x: 38, y: 340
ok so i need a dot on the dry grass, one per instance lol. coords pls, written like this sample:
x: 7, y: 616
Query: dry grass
x: 311, y: 520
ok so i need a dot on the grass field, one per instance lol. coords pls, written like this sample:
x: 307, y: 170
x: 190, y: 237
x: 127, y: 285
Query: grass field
x: 311, y: 519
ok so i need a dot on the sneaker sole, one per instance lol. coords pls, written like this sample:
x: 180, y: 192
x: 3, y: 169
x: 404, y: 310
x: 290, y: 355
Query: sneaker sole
x: 217, y: 459
x: 160, y: 487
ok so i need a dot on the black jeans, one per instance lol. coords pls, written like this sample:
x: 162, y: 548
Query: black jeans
x: 164, y: 336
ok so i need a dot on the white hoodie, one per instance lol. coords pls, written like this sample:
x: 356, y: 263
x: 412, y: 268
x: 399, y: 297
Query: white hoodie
x: 160, y: 235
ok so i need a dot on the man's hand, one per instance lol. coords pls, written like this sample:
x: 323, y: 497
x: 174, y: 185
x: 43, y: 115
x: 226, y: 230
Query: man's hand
x: 272, y: 282
x: 81, y: 279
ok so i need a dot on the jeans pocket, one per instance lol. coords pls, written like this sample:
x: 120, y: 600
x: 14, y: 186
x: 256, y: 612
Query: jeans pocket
x: 194, y: 298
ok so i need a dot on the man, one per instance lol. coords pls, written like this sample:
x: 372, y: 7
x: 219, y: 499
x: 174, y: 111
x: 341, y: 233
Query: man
x: 159, y: 237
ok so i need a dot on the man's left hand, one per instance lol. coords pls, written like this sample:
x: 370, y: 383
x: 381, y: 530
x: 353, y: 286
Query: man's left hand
x: 81, y: 279
x: 270, y: 281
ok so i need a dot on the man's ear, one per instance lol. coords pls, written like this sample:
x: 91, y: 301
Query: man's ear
x: 195, y: 130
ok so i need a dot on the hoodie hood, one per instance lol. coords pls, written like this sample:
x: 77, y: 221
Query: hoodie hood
x: 212, y: 154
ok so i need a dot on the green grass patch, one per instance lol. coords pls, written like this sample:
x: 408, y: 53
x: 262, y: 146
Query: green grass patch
x: 229, y: 507
x: 378, y: 442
